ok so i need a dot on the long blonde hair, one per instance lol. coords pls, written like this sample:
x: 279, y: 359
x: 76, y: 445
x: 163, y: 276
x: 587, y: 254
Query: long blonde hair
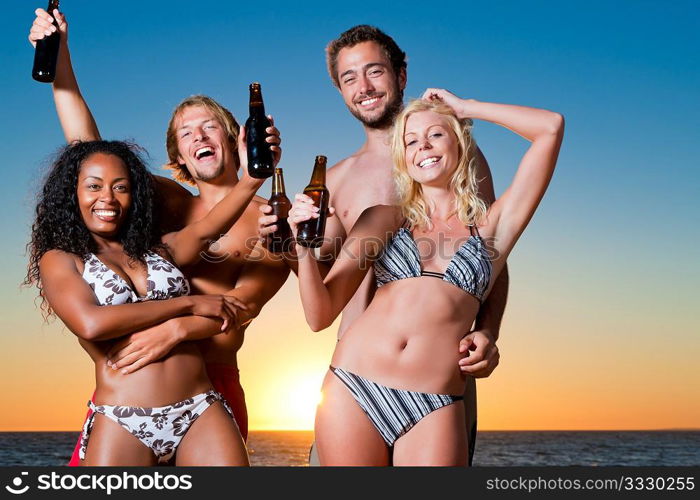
x: 469, y: 208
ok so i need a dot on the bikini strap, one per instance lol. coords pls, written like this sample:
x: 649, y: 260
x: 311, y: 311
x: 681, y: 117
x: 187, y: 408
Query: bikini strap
x: 473, y: 229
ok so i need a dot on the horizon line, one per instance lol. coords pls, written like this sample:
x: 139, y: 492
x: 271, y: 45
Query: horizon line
x: 669, y: 429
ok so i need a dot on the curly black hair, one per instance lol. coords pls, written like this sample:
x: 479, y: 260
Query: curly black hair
x: 59, y: 225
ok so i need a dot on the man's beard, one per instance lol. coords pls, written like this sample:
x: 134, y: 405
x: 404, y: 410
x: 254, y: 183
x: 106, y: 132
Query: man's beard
x: 208, y: 176
x: 386, y: 119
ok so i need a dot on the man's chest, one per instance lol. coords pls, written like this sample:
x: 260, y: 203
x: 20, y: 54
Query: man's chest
x: 225, y: 255
x: 353, y: 195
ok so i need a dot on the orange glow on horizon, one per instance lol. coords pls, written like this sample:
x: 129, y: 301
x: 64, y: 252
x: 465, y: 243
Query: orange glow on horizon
x: 555, y: 373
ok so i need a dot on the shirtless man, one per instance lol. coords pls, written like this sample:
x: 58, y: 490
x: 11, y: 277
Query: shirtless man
x: 369, y: 70
x: 201, y: 143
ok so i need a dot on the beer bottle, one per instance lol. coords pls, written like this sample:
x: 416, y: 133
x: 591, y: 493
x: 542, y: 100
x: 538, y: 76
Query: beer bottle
x: 310, y: 233
x: 46, y: 52
x: 260, y: 163
x: 281, y: 240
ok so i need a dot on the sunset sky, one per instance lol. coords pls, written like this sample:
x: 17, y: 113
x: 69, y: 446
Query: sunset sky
x: 602, y: 326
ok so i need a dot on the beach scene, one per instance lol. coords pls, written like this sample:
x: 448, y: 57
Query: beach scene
x: 598, y: 343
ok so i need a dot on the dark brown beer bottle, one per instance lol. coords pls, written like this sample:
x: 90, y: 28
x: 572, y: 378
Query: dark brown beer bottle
x: 260, y: 163
x: 281, y: 240
x: 310, y: 233
x: 46, y: 52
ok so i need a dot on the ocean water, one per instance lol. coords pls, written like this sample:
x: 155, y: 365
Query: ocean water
x: 493, y: 448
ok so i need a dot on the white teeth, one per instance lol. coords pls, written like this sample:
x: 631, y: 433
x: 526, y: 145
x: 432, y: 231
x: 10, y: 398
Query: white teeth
x: 428, y: 161
x: 203, y: 150
x: 106, y: 213
x: 367, y: 102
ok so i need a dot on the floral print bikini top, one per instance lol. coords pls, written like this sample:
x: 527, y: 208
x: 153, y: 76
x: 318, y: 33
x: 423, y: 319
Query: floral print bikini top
x: 164, y: 281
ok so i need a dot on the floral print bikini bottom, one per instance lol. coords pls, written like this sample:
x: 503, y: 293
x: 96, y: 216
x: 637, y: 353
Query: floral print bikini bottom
x: 161, y: 429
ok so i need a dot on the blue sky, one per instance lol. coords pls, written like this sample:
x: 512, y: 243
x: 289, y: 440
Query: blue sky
x: 616, y: 236
x: 625, y: 76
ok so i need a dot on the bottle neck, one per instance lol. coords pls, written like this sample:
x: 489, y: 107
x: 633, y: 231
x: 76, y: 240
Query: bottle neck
x: 53, y: 4
x: 318, y: 177
x: 278, y: 183
x: 256, y: 105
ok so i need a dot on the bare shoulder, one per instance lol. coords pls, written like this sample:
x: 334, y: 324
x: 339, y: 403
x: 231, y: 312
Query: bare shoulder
x: 339, y: 170
x: 252, y: 211
x: 171, y: 187
x: 55, y: 260
x: 174, y: 202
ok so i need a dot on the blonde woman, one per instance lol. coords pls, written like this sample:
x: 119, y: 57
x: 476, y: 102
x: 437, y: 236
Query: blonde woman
x: 394, y: 375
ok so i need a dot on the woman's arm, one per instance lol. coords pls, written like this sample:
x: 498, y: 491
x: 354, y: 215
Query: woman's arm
x: 261, y: 277
x: 545, y: 130
x: 324, y: 299
x: 142, y: 348
x: 74, y: 302
x: 77, y: 121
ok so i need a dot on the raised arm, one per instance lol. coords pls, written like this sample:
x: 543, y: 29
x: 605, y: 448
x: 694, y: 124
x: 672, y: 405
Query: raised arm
x: 186, y: 245
x: 545, y: 130
x: 324, y: 299
x: 77, y: 121
x: 74, y: 302
x: 261, y: 278
x: 512, y: 211
x: 333, y: 239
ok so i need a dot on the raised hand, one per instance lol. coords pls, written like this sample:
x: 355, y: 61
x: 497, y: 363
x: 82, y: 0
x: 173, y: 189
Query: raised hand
x: 274, y: 139
x: 266, y: 222
x: 43, y: 26
x: 456, y: 103
x: 302, y: 210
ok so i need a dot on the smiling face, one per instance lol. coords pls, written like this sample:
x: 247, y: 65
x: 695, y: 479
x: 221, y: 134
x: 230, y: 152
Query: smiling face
x: 202, y: 143
x: 104, y: 194
x: 431, y: 148
x: 370, y: 88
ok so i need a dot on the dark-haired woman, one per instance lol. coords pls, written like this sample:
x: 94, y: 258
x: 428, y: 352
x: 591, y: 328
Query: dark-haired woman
x: 103, y: 267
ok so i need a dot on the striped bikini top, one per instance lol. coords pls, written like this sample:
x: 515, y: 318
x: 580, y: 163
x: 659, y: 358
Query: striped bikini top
x: 470, y: 268
x: 164, y: 281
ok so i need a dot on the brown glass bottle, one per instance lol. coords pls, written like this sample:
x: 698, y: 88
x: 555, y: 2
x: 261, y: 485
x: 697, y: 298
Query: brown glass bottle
x: 281, y: 240
x: 310, y: 233
x: 46, y: 52
x: 260, y: 163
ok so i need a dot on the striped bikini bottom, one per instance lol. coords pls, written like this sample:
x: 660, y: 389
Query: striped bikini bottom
x: 392, y: 411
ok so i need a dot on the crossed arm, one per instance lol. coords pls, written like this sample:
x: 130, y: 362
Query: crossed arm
x: 261, y: 277
x: 75, y: 303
